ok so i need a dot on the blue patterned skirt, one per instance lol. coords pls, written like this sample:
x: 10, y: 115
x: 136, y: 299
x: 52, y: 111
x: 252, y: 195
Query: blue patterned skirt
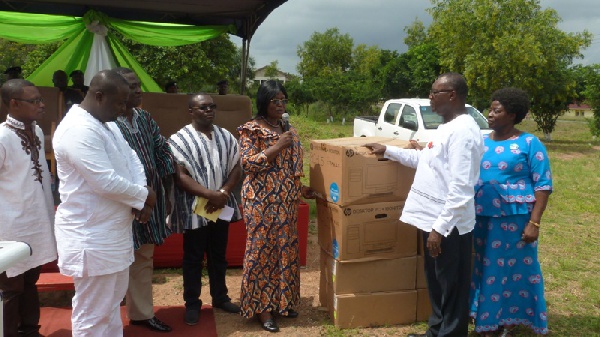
x: 507, y: 287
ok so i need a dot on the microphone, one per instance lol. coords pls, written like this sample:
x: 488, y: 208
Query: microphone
x: 285, y: 119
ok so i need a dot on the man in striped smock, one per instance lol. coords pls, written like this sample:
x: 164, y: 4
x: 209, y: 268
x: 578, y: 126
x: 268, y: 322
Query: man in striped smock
x: 143, y: 135
x: 208, y: 166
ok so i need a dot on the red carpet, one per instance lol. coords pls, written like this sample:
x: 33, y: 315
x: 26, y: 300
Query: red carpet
x: 56, y: 322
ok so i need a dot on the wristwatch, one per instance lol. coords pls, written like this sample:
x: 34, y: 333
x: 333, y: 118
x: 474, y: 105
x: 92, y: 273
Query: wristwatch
x: 224, y: 192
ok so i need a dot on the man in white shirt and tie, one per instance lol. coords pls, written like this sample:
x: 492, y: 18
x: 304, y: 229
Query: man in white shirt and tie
x: 103, y: 186
x: 441, y: 204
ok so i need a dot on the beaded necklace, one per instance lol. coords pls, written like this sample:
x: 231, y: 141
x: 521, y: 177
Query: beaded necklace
x: 270, y: 124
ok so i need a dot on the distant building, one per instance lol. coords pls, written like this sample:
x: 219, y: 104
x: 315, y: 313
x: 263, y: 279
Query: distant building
x: 579, y: 110
x: 260, y: 76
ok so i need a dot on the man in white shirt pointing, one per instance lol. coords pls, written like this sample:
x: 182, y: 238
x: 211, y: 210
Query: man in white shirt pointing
x: 441, y: 204
x: 103, y: 186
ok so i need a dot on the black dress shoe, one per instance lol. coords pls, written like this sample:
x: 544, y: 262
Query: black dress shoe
x: 291, y: 313
x: 229, y: 307
x: 153, y: 324
x: 416, y: 335
x: 269, y: 325
x: 191, y: 316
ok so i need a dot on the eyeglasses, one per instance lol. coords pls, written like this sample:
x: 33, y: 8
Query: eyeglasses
x: 205, y: 107
x: 280, y: 101
x: 35, y: 101
x: 435, y: 92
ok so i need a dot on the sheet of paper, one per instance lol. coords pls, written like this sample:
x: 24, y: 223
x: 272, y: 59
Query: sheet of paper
x: 226, y: 213
x: 198, y: 207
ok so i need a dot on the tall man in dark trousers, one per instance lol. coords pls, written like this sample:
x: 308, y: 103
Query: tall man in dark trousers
x: 143, y: 135
x: 208, y: 167
x: 441, y: 204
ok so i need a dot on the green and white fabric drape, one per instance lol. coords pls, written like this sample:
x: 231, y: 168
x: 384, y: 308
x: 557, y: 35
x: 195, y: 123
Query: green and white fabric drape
x: 90, y: 43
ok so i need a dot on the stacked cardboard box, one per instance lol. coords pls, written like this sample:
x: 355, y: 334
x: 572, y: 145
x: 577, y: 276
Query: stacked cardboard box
x: 368, y: 257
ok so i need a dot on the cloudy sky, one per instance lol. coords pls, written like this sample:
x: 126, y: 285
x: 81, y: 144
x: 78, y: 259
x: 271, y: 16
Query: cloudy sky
x: 381, y: 23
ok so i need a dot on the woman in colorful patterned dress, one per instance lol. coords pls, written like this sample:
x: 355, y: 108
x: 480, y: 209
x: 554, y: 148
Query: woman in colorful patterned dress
x: 511, y: 196
x: 271, y: 157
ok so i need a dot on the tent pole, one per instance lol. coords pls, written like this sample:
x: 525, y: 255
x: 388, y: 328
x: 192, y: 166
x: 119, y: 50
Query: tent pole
x: 245, y: 58
x: 243, y: 67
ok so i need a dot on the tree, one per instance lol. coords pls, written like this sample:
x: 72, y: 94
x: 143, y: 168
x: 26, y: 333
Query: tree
x: 592, y: 94
x: 195, y: 67
x: 583, y: 76
x: 394, y: 75
x: 339, y: 75
x: 423, y: 66
x: 325, y: 53
x: 13, y: 54
x: 300, y: 94
x: 416, y: 33
x: 39, y: 55
x: 272, y: 70
x: 28, y: 56
x: 500, y: 43
x: 236, y: 70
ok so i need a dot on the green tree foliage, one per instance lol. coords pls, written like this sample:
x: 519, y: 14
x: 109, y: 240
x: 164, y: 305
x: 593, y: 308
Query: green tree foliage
x: 583, y: 77
x: 28, y: 56
x: 195, y: 67
x: 416, y: 33
x: 272, y: 70
x: 236, y: 70
x: 300, y: 94
x: 393, y: 74
x: 325, y: 53
x: 500, y: 43
x: 365, y: 68
x: 409, y: 74
x: 13, y: 54
x: 592, y: 95
x: 423, y: 66
x: 38, y: 55
x: 338, y: 74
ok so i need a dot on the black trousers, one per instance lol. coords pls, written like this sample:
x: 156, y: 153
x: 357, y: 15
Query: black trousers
x: 448, y: 279
x: 21, y: 303
x: 212, y: 240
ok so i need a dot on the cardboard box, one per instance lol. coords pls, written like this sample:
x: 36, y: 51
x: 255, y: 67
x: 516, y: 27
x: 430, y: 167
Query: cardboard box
x: 365, y: 232
x: 373, y: 309
x: 369, y: 276
x: 367, y: 309
x: 423, y: 305
x: 421, y: 282
x: 345, y: 172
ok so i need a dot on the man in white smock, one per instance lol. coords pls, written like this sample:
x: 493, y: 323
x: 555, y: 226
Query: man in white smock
x: 26, y: 205
x: 103, y: 186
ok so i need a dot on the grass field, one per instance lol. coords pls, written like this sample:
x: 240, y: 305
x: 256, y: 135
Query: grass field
x: 570, y: 234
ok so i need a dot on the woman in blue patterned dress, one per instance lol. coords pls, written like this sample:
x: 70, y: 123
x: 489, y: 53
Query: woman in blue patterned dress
x: 507, y: 287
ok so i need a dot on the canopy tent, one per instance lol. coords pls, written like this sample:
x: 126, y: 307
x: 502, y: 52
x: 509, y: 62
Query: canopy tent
x: 239, y: 17
x: 244, y: 15
x: 91, y: 46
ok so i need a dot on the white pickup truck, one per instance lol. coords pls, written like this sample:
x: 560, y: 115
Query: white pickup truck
x: 406, y: 119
